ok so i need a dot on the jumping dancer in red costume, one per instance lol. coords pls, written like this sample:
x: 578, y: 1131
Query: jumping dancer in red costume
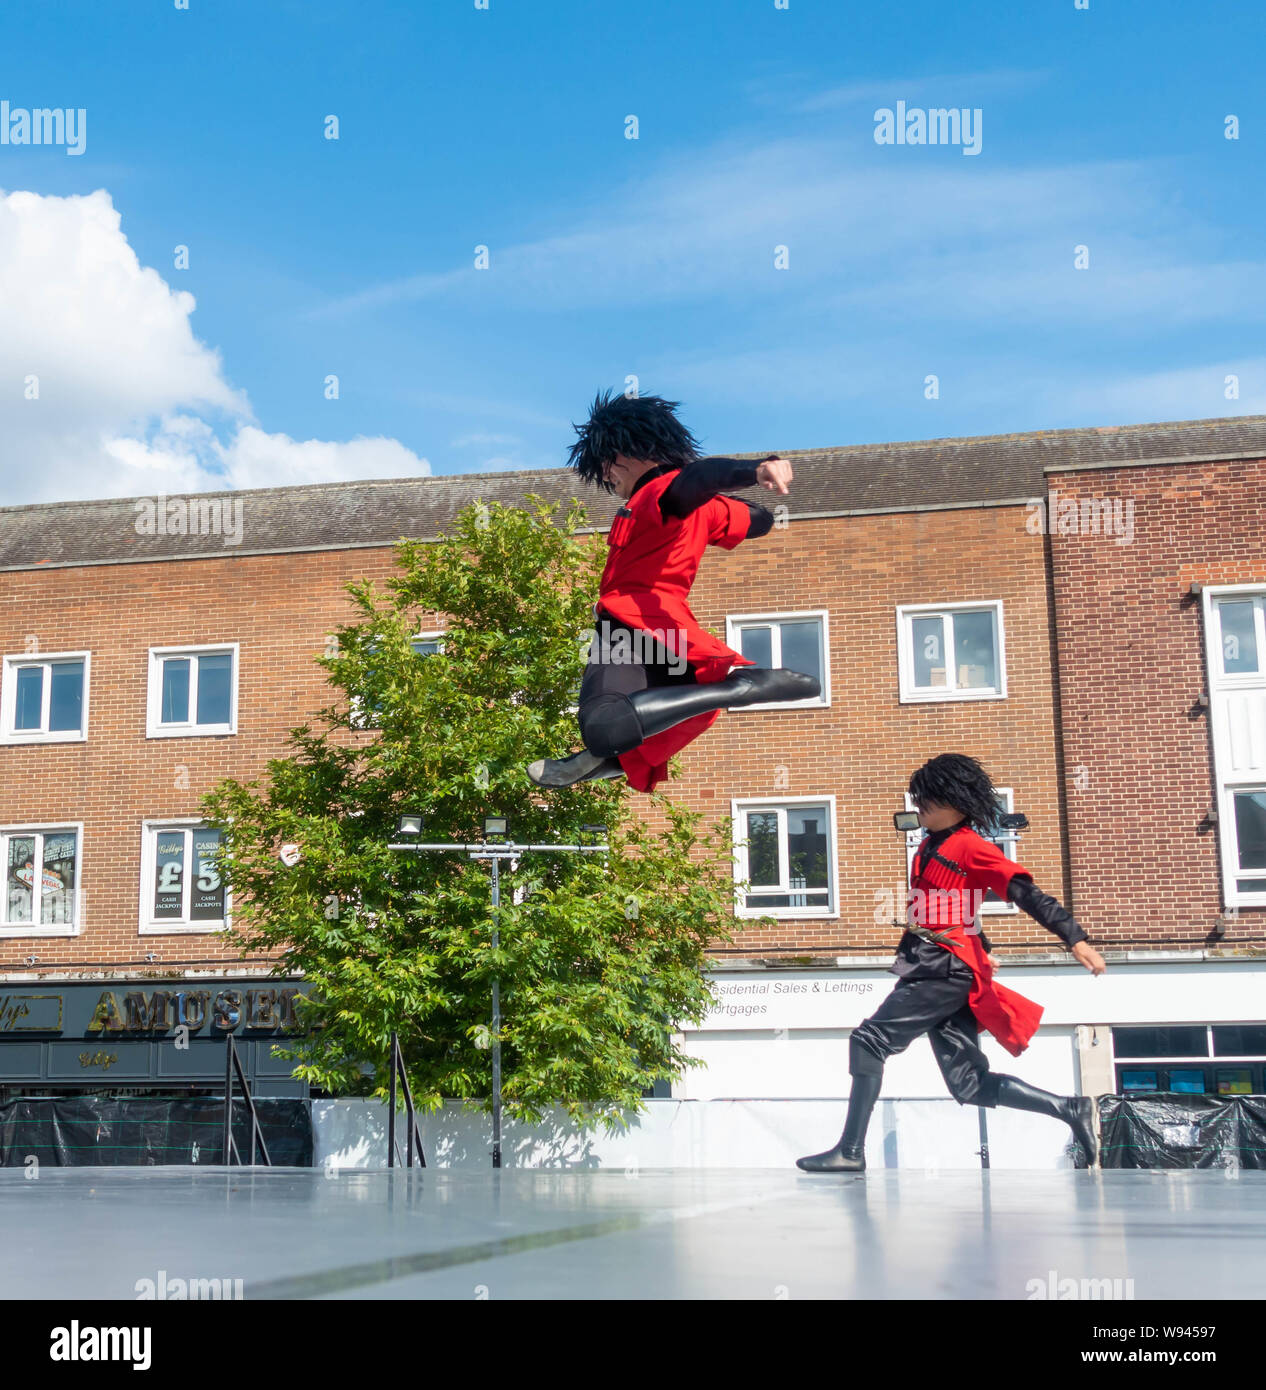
x: 655, y: 679
x: 946, y: 987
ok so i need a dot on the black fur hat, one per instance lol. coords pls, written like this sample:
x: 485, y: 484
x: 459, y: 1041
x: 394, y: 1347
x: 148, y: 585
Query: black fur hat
x: 644, y: 427
x: 954, y: 779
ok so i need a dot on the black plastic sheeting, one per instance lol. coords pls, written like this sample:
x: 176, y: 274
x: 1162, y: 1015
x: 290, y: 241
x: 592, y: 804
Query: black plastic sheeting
x: 1170, y: 1130
x: 104, y: 1131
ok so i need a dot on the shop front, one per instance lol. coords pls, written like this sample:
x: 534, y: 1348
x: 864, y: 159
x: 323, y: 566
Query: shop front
x: 150, y: 1036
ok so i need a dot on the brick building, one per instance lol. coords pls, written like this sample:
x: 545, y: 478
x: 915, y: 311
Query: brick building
x: 1083, y: 610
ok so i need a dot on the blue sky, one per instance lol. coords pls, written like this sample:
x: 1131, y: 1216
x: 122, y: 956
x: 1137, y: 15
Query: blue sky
x: 653, y: 257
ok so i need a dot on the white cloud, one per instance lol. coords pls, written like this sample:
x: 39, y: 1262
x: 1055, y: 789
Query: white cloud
x: 873, y: 235
x: 479, y: 439
x: 895, y: 230
x: 840, y: 372
x: 256, y: 459
x: 1129, y: 286
x: 129, y: 401
x: 1003, y: 389
x: 182, y: 456
x: 106, y: 336
x: 1183, y: 393
x: 943, y: 89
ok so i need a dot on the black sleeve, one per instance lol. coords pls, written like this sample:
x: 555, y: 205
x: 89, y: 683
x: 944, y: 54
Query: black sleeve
x: 762, y: 522
x: 701, y: 480
x: 1044, y: 910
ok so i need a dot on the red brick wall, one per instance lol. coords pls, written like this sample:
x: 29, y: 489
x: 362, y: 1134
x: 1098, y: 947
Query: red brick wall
x: 279, y: 608
x: 861, y: 750
x: 1137, y: 754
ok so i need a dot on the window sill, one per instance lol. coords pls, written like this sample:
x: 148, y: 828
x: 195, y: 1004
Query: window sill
x: 210, y: 731
x: 42, y: 932
x: 787, y: 914
x: 183, y: 929
x: 29, y: 737
x: 909, y: 697
x: 785, y: 704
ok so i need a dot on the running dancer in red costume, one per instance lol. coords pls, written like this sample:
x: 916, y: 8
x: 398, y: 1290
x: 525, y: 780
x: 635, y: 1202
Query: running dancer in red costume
x: 655, y: 679
x: 946, y: 987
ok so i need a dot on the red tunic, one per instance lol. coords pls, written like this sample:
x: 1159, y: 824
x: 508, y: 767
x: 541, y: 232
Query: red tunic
x: 651, y: 564
x: 946, y: 900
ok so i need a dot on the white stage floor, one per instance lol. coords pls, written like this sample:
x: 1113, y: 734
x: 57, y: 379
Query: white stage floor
x: 96, y: 1233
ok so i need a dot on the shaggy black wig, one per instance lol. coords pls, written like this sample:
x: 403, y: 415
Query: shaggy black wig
x: 645, y: 427
x: 954, y: 779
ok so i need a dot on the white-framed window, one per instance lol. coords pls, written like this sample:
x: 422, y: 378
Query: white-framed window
x: 951, y: 651
x: 1248, y: 834
x: 1238, y: 648
x: 428, y: 643
x: 181, y: 888
x: 41, y: 879
x: 1235, y: 652
x: 1006, y: 840
x: 192, y: 691
x: 784, y: 850
x: 794, y: 641
x: 44, y: 698
x: 1227, y: 1059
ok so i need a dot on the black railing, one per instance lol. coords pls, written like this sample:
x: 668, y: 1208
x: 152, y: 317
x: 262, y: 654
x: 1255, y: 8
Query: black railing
x: 413, y: 1137
x: 233, y: 1063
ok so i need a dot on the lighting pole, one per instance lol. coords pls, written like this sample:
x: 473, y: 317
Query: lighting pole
x: 494, y: 847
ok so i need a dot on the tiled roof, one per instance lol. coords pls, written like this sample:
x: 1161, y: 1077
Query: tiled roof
x: 864, y: 477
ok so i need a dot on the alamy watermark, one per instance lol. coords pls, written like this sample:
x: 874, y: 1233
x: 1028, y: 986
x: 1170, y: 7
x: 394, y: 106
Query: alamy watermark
x: 168, y: 1289
x: 933, y: 907
x: 76, y: 1343
x: 939, y: 125
x: 637, y: 647
x: 1056, y: 515
x: 190, y: 516
x: 1053, y: 1287
x: 44, y: 125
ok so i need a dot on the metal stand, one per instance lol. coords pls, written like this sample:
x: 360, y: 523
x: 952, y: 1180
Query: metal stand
x: 233, y: 1063
x: 413, y: 1135
x: 496, y: 852
x: 496, y: 1016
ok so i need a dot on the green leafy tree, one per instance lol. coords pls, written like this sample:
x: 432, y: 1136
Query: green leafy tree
x: 599, y: 955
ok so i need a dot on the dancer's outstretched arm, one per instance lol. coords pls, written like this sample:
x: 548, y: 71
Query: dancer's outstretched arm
x: 706, y: 478
x: 1049, y: 913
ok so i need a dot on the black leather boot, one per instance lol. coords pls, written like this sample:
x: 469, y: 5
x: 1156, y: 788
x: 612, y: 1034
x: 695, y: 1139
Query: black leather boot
x: 664, y: 706
x: 580, y: 767
x: 617, y: 724
x: 1077, y: 1112
x: 849, y: 1155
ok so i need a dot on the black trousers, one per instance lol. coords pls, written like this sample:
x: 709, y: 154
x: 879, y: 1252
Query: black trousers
x: 937, y: 1007
x: 610, y: 672
x: 604, y: 714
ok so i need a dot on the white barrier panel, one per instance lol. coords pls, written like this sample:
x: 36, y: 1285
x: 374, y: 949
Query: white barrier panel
x: 1149, y: 990
x: 807, y: 1064
x: 912, y: 1134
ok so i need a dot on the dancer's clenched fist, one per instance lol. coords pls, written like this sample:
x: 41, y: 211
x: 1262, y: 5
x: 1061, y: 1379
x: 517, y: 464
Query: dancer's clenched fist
x: 775, y: 474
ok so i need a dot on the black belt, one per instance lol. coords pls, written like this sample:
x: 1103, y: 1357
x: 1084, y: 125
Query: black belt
x: 940, y: 938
